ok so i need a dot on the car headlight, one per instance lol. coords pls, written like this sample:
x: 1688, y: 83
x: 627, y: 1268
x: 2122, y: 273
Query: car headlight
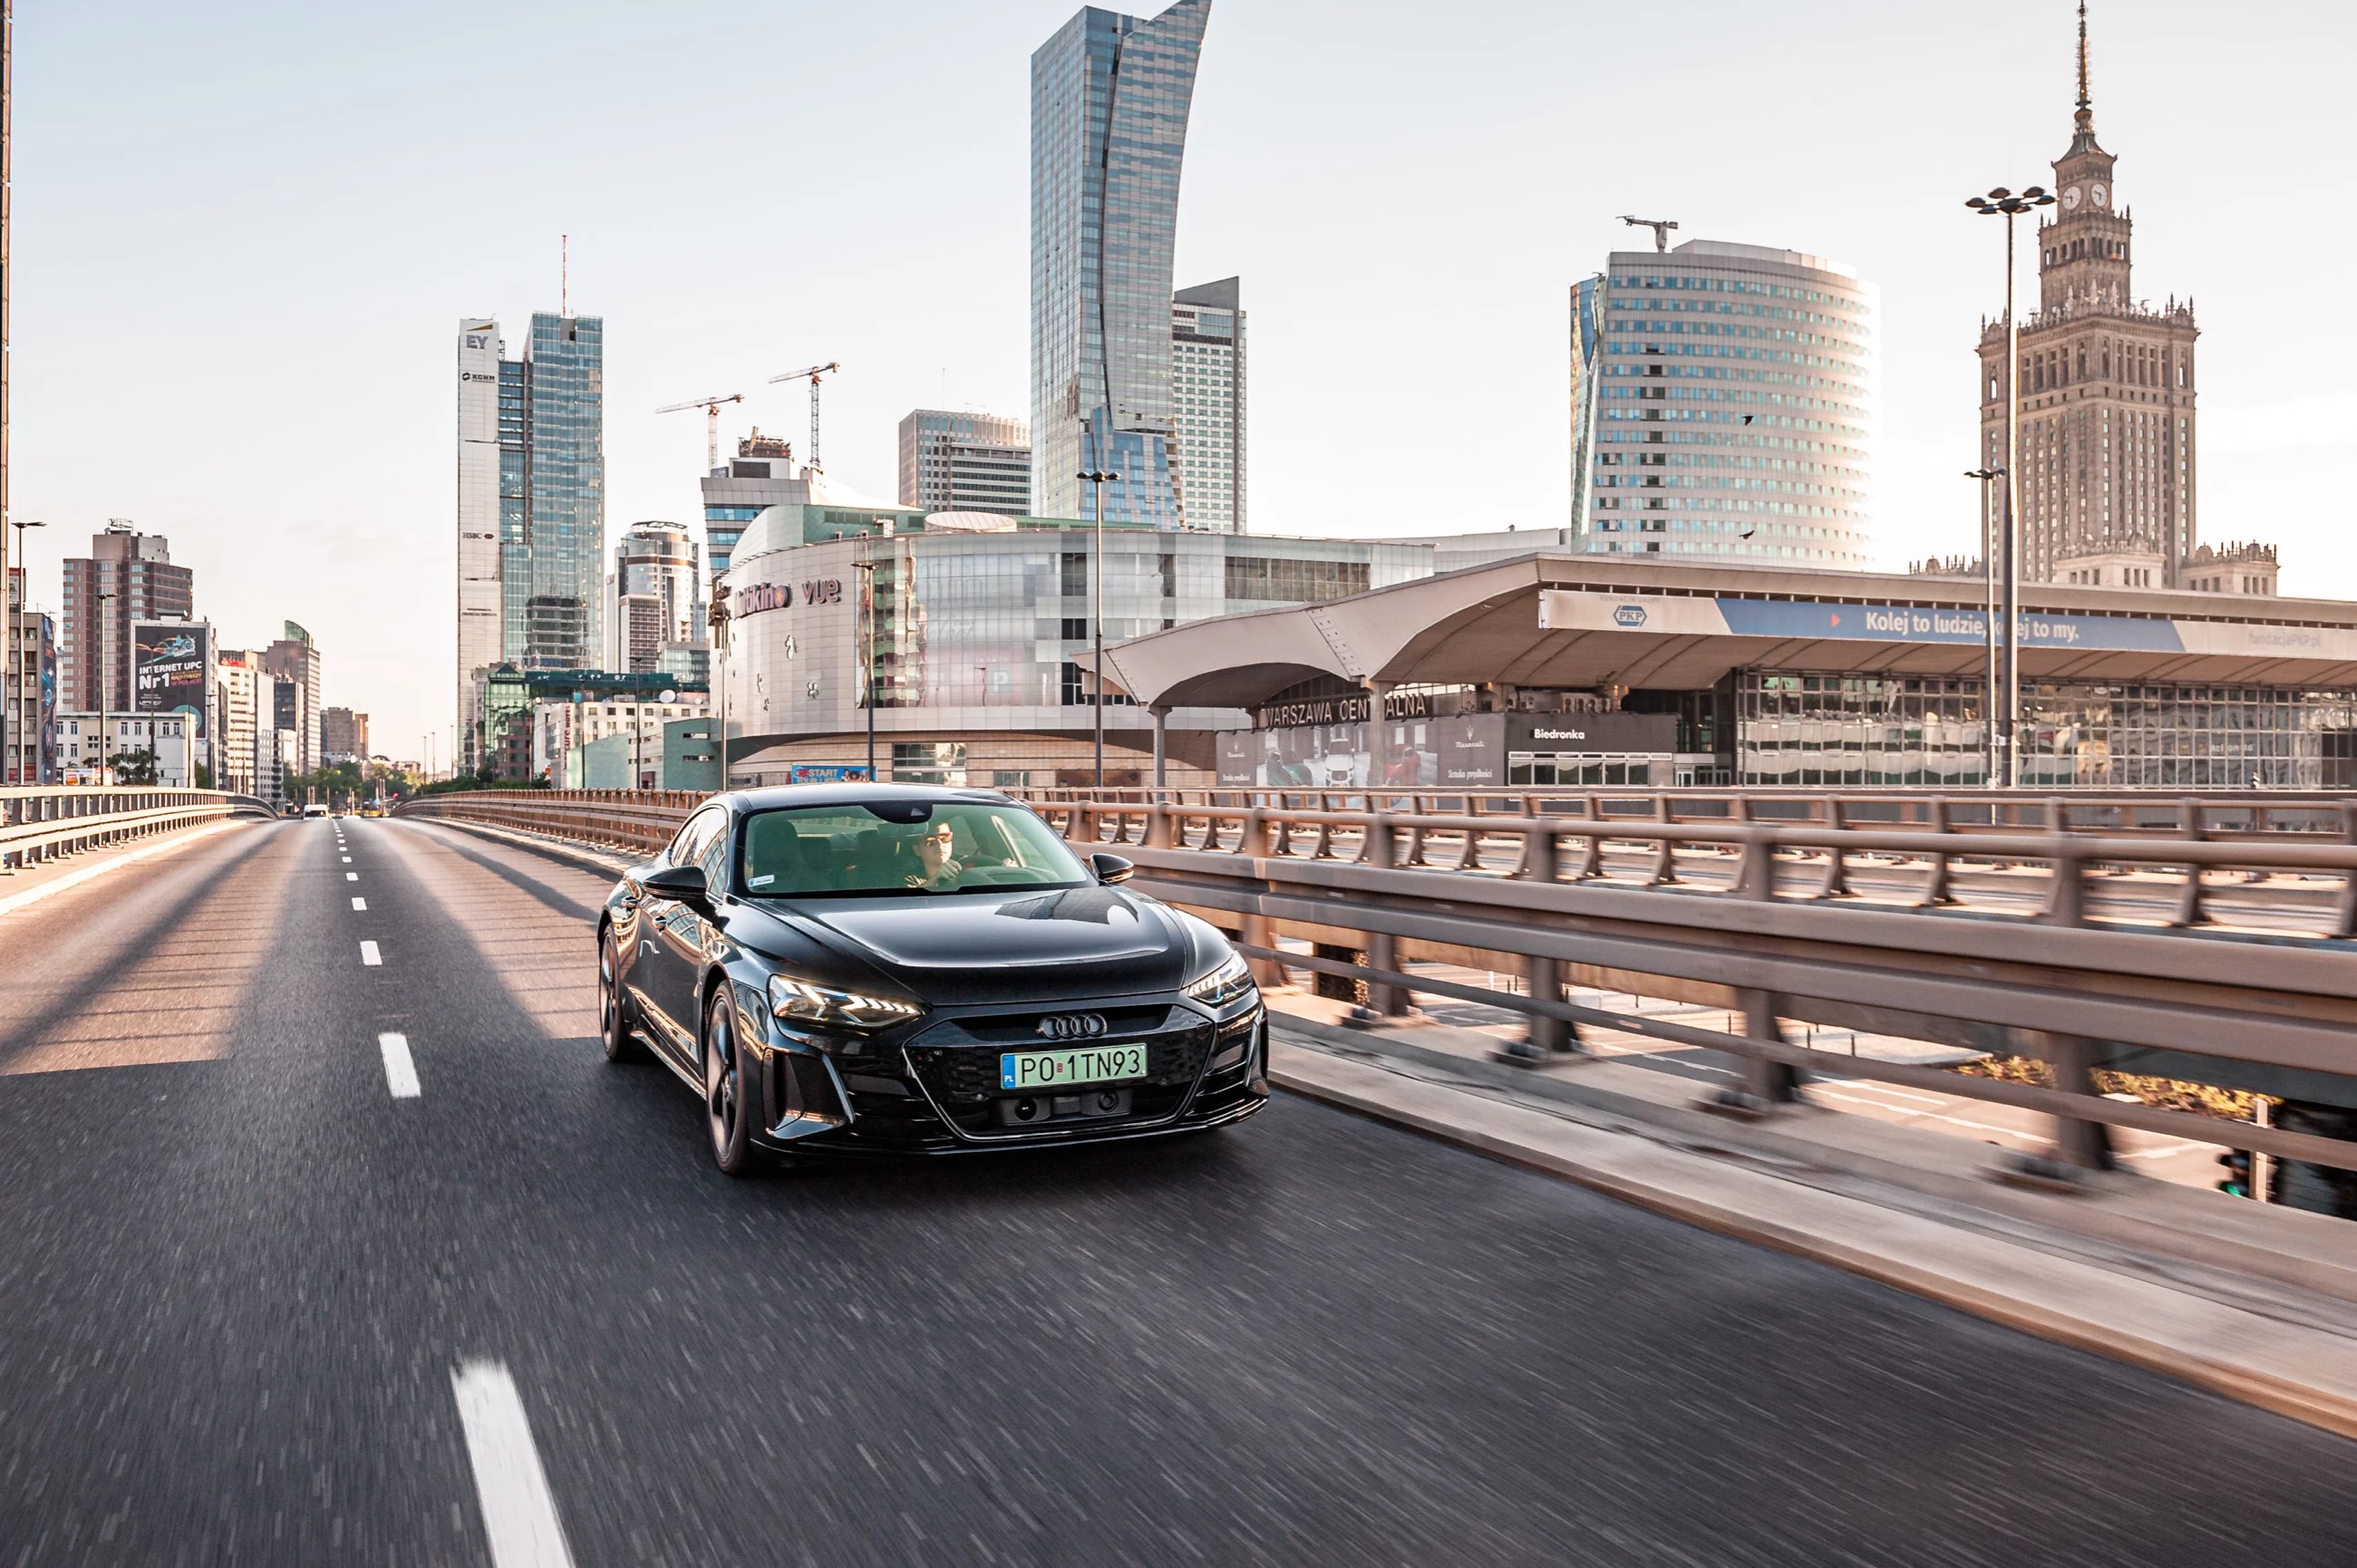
x: 803, y: 1003
x: 1224, y: 985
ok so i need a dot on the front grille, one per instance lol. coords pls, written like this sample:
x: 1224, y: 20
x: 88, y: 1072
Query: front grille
x: 963, y: 1077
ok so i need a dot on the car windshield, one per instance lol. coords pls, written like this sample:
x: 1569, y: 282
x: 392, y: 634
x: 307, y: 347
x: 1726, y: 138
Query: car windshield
x: 893, y: 846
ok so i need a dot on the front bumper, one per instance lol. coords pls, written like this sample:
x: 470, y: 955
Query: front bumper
x: 936, y: 1091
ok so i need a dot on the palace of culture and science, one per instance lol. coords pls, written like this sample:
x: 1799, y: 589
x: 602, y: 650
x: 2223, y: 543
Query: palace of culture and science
x: 2107, y: 454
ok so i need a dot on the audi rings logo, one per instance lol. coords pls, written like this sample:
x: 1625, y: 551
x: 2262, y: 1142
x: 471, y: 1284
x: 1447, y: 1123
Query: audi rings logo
x: 1072, y: 1025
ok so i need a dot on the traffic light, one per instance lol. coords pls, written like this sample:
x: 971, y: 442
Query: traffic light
x: 2238, y: 1173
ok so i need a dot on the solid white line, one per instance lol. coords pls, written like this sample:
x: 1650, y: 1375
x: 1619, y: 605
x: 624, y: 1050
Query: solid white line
x: 360, y: 904
x: 519, y: 1514
x: 400, y: 1071
x: 369, y: 953
x: 351, y: 876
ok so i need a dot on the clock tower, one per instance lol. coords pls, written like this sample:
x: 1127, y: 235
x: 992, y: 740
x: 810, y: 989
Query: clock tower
x: 2106, y: 463
x: 2083, y: 253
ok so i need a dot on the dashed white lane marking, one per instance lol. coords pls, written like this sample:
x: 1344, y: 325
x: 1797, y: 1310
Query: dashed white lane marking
x: 351, y: 876
x: 360, y: 904
x: 519, y: 1514
x: 400, y: 1071
x: 370, y: 955
x: 348, y: 860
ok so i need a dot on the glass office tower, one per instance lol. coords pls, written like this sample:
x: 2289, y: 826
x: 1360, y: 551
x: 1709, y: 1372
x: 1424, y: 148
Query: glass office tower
x: 1109, y: 96
x: 1734, y: 407
x: 562, y: 626
x: 532, y: 505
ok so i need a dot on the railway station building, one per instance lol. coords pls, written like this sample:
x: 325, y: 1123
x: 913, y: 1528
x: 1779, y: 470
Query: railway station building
x: 1558, y: 669
x: 1497, y: 660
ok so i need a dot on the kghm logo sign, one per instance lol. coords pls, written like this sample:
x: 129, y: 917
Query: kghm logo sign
x: 764, y: 596
x: 1629, y: 615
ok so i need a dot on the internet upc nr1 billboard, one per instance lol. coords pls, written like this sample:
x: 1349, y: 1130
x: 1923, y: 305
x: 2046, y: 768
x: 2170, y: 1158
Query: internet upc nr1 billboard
x: 172, y: 669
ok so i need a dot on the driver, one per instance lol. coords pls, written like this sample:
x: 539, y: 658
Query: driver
x: 941, y: 867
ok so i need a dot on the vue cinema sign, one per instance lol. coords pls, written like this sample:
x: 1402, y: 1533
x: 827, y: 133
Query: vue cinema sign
x: 763, y: 597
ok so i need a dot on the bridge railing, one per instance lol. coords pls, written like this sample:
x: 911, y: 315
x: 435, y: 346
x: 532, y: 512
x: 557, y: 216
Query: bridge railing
x: 641, y: 822
x: 41, y: 822
x: 2194, y: 950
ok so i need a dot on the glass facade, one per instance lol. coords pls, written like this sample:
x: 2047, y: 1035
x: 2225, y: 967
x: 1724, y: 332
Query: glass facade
x: 1110, y: 97
x: 1734, y: 412
x: 1207, y: 402
x: 566, y: 463
x: 1877, y: 729
x: 976, y: 638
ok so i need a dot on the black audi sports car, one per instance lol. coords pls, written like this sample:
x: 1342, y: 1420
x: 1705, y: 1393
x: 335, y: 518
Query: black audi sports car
x: 862, y: 967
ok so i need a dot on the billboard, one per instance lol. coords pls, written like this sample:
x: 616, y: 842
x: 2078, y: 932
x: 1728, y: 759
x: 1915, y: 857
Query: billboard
x: 172, y: 666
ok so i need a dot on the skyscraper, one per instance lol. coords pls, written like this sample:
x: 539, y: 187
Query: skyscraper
x: 1734, y: 407
x: 1589, y: 298
x: 761, y: 476
x: 1207, y: 398
x: 532, y: 503
x: 128, y: 577
x: 1109, y: 96
x: 294, y: 659
x: 2107, y: 460
x: 654, y: 596
x: 965, y: 462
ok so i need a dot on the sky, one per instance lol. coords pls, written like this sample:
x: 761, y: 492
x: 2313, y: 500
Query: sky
x: 244, y: 233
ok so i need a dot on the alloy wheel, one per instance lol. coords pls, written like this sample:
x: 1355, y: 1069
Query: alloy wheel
x: 721, y: 1101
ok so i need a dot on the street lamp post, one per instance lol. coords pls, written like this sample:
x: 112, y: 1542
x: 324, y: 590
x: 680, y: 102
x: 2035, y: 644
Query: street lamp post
x: 867, y: 570
x: 13, y: 662
x: 717, y: 618
x: 1989, y: 758
x: 2006, y: 204
x: 1099, y: 477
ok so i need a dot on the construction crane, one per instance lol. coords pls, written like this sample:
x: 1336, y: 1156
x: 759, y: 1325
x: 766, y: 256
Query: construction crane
x: 711, y: 407
x: 1659, y: 226
x: 813, y: 372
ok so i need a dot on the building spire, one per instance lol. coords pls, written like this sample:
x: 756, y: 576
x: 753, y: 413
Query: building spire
x: 2083, y: 137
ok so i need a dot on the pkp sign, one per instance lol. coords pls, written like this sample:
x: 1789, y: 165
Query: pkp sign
x: 1630, y: 615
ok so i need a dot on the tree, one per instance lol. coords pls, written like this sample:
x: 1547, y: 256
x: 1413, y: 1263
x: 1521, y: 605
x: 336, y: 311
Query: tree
x: 133, y: 767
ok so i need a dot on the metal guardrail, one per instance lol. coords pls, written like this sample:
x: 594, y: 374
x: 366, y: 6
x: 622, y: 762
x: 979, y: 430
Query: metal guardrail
x: 2215, y: 814
x: 639, y: 820
x: 41, y: 822
x: 2153, y: 953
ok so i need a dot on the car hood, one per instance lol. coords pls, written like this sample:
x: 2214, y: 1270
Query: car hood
x: 1066, y: 942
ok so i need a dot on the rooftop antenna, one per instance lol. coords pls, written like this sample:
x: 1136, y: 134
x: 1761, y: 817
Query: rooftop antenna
x: 564, y: 274
x: 2084, y: 103
x: 1659, y: 226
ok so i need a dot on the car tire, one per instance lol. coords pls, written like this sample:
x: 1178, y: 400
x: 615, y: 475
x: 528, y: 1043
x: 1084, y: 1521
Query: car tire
x: 727, y: 1115
x: 614, y: 1022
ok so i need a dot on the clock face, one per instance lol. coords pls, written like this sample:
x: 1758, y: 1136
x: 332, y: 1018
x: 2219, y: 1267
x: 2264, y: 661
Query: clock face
x: 2096, y: 193
x: 2071, y: 199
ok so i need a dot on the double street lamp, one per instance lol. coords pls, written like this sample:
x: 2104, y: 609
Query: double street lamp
x: 2009, y: 204
x: 1100, y: 478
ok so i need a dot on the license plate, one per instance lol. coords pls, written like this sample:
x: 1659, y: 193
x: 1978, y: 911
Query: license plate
x: 1086, y: 1064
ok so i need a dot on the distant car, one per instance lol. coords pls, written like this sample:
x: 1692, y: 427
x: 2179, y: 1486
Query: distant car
x: 853, y: 966
x: 314, y: 810
x: 372, y: 811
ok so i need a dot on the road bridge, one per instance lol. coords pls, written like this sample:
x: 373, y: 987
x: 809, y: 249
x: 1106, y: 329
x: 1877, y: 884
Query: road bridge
x: 300, y: 1119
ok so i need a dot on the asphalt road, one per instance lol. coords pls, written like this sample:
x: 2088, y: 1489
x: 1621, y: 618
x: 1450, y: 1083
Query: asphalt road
x: 237, y: 1275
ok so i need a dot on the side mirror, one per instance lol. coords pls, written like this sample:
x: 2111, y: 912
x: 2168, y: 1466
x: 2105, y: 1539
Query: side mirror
x: 1111, y: 868
x: 683, y: 883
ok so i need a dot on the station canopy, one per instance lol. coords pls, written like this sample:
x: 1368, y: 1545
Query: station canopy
x: 1593, y: 622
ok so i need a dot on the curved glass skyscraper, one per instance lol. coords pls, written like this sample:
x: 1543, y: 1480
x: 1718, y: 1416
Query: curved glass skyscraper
x: 1109, y: 100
